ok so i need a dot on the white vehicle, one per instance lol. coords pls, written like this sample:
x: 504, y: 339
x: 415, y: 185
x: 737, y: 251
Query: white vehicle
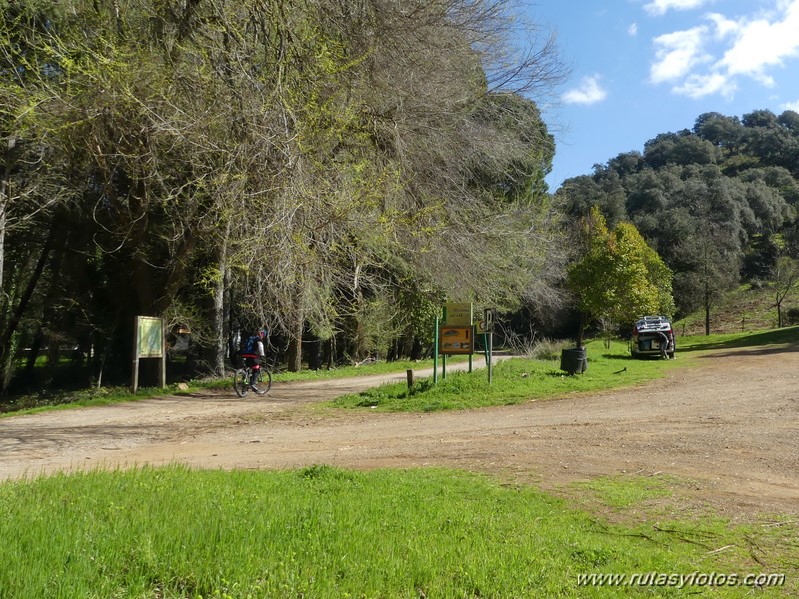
x: 653, y: 336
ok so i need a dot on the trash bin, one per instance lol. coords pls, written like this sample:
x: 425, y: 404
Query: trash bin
x: 573, y: 360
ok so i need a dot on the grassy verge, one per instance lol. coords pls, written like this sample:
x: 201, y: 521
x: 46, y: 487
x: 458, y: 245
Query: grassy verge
x: 514, y: 381
x: 55, y: 400
x: 747, y: 308
x: 322, y: 532
x: 62, y: 400
x: 522, y: 379
x: 765, y: 337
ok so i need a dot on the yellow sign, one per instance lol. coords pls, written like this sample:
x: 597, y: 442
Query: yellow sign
x: 150, y: 337
x: 459, y: 315
x: 456, y: 340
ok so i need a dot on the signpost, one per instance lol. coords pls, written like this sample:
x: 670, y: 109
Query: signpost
x: 456, y: 336
x: 486, y: 327
x: 149, y: 342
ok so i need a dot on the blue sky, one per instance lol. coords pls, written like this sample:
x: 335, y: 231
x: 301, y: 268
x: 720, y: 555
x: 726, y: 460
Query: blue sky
x: 644, y: 67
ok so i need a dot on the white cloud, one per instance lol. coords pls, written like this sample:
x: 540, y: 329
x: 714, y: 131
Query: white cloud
x: 677, y: 53
x: 632, y: 30
x: 791, y: 106
x: 588, y: 92
x: 699, y: 86
x: 760, y: 44
x: 724, y: 26
x: 745, y: 47
x: 661, y: 7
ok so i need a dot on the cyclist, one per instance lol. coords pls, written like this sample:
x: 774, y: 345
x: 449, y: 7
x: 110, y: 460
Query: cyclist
x: 252, y: 351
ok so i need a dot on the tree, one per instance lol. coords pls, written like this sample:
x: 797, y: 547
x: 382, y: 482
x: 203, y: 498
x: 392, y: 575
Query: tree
x: 618, y: 276
x: 578, y: 195
x: 31, y: 182
x: 712, y: 262
x: 784, y: 276
x: 315, y: 165
x: 722, y: 131
x: 679, y: 148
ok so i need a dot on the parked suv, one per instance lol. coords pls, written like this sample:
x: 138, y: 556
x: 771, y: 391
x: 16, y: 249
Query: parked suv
x: 653, y: 336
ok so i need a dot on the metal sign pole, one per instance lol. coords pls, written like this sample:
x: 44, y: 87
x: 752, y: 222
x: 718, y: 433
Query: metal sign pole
x: 162, y: 362
x: 435, y: 352
x: 490, y: 357
x: 444, y: 356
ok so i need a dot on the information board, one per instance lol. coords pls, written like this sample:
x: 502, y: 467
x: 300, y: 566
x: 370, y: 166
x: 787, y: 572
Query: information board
x: 458, y: 314
x: 456, y: 340
x: 151, y: 337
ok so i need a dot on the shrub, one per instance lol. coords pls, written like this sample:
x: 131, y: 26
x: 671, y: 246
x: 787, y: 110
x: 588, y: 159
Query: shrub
x: 792, y: 316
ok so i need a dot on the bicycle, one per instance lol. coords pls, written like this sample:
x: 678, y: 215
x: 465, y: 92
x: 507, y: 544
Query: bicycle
x: 241, y: 381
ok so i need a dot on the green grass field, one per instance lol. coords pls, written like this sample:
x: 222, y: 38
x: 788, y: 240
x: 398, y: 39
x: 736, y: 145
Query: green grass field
x: 326, y: 533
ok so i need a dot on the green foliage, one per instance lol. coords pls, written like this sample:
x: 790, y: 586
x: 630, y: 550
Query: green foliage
x: 326, y: 168
x: 619, y: 277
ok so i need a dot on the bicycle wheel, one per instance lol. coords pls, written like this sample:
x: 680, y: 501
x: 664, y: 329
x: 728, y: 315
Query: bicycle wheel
x: 241, y: 382
x: 265, y: 380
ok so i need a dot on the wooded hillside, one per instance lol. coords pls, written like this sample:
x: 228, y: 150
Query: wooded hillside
x: 717, y: 202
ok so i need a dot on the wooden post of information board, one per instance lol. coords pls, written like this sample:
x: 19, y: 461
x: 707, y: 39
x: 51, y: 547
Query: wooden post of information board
x: 134, y: 378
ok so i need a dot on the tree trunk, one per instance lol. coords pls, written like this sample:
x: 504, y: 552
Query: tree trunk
x: 220, y: 340
x: 297, y: 325
x: 227, y: 318
x: 295, y: 348
x: 5, y: 191
x: 581, y: 331
x: 416, y: 349
x: 313, y: 353
x: 3, y: 206
x: 141, y: 271
x: 328, y: 351
x: 707, y: 313
x: 219, y: 345
x: 16, y: 317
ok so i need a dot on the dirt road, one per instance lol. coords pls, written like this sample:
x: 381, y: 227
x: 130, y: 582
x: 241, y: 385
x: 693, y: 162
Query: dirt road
x: 728, y: 428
